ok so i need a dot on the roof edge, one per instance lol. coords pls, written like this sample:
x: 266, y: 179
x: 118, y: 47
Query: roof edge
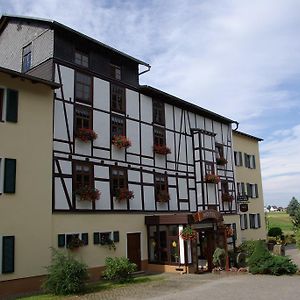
x: 248, y: 135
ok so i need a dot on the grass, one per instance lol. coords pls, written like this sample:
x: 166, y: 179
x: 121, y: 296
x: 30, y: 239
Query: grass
x: 97, y: 287
x: 282, y: 220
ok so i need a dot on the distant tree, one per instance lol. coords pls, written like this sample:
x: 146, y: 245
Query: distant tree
x: 293, y: 206
x: 296, y: 219
x: 268, y: 207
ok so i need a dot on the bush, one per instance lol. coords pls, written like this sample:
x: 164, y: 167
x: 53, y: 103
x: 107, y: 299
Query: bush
x: 290, y: 239
x: 247, y: 247
x: 219, y: 257
x: 275, y: 231
x: 119, y: 269
x: 66, y: 275
x: 298, y: 239
x: 258, y: 258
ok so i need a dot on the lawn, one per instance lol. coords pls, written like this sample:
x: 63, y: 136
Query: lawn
x: 280, y: 219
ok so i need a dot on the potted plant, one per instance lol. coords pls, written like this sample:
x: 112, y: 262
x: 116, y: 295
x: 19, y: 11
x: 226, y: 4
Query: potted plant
x: 86, y: 134
x: 124, y: 194
x: 162, y: 196
x: 212, y: 178
x: 229, y: 231
x: 161, y: 149
x: 121, y: 141
x: 75, y: 243
x: 87, y: 193
x: 106, y: 241
x: 226, y: 197
x: 188, y: 233
x: 221, y: 161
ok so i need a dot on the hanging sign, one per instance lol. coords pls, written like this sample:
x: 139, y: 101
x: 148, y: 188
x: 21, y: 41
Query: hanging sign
x: 244, y: 207
x: 207, y: 214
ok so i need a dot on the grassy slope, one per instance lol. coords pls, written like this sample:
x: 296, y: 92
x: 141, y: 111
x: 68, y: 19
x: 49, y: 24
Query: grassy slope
x: 280, y: 219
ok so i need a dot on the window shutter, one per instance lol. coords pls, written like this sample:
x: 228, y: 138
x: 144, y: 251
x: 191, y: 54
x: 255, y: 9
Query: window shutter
x: 245, y: 157
x: 9, y: 176
x: 241, y: 158
x: 12, y: 97
x: 245, y: 221
x: 254, y: 164
x: 96, y: 238
x: 258, y: 221
x: 85, y: 238
x: 8, y: 254
x: 116, y: 236
x: 61, y: 240
x: 256, y: 190
x: 242, y: 222
x: 243, y: 188
x: 249, y: 192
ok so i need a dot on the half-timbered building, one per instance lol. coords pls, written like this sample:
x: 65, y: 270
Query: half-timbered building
x: 132, y: 166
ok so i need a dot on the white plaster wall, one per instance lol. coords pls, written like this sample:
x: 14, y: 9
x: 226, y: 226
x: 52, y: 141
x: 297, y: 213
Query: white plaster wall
x: 146, y: 108
x: 133, y: 132
x: 67, y: 76
x: 149, y: 198
x: 101, y: 94
x: 104, y: 202
x: 132, y: 104
x: 101, y: 172
x: 60, y: 198
x: 101, y: 125
x: 136, y: 202
x: 147, y: 140
x: 173, y: 199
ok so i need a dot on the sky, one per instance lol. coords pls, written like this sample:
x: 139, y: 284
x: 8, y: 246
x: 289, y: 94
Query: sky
x: 238, y: 58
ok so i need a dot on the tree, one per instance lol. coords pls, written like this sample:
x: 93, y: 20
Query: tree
x: 296, y: 219
x: 269, y: 207
x: 293, y: 206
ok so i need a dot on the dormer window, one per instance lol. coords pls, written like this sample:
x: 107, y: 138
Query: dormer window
x: 115, y: 71
x: 81, y: 59
x: 26, y: 58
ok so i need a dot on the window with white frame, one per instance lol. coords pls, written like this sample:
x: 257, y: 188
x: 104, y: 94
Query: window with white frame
x: 238, y: 158
x: 250, y: 161
x: 243, y: 221
x: 252, y: 190
x: 241, y: 188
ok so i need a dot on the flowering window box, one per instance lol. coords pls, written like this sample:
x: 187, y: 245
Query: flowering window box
x: 188, y: 234
x: 162, y: 197
x: 121, y: 141
x: 161, y: 149
x: 75, y: 243
x: 228, y: 231
x: 221, y: 161
x: 124, y: 194
x: 88, y: 194
x: 86, y: 134
x: 212, y: 178
x: 227, y: 197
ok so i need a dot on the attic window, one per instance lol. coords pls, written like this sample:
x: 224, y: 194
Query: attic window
x: 115, y: 71
x: 81, y: 59
x: 26, y: 58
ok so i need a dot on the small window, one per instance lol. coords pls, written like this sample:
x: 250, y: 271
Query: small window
x: 117, y: 125
x: 1, y: 104
x: 252, y: 221
x: 238, y: 158
x: 161, y: 186
x: 159, y: 136
x: 209, y: 168
x: 224, y: 187
x: 115, y: 71
x: 83, y: 88
x: 83, y: 175
x: 117, y: 98
x: 26, y: 58
x: 158, y: 112
x: 83, y: 117
x: 219, y: 151
x: 118, y: 179
x: 81, y: 59
x: 243, y: 221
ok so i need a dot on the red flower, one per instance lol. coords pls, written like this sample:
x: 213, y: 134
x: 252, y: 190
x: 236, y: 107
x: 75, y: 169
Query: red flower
x: 227, y: 197
x: 188, y: 234
x: 86, y: 134
x: 121, y: 141
x: 221, y: 161
x: 161, y: 149
x: 228, y: 231
x: 88, y: 194
x: 124, y: 194
x: 212, y: 178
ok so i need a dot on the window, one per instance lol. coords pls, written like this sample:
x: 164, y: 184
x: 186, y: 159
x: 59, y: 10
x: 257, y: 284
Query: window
x: 158, y: 112
x: 163, y: 244
x: 83, y: 117
x: 250, y: 161
x: 81, y: 59
x: 241, y: 188
x: 252, y: 190
x: 104, y: 237
x: 1, y: 103
x: 161, y: 186
x: 83, y: 175
x: 9, y: 100
x: 244, y: 221
x: 238, y: 158
x: 209, y: 168
x: 115, y: 71
x: 117, y: 98
x: 83, y: 88
x: 26, y: 58
x: 224, y: 187
x: 252, y: 218
x: 159, y: 136
x: 118, y: 179
x: 219, y: 151
x: 64, y: 240
x: 117, y: 125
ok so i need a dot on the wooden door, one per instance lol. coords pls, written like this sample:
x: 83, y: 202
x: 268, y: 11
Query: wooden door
x: 134, y: 248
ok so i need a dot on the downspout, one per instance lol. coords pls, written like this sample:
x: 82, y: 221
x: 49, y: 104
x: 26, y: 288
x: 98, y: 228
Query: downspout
x: 148, y: 66
x: 237, y: 125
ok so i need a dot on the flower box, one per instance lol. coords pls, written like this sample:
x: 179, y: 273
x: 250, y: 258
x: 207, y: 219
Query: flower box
x: 212, y: 178
x: 162, y: 196
x: 124, y: 194
x: 161, y: 149
x: 75, y: 243
x: 227, y: 197
x: 86, y: 134
x: 221, y: 161
x: 121, y: 141
x: 188, y: 234
x: 88, y: 194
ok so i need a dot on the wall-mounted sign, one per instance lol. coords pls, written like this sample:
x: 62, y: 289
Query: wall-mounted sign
x: 244, y: 207
x: 207, y: 214
x: 241, y: 198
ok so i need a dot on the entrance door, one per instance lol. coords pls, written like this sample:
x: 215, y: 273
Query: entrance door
x: 134, y: 248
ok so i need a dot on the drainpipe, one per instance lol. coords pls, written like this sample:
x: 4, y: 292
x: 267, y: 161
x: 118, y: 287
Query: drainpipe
x: 147, y: 70
x: 237, y: 125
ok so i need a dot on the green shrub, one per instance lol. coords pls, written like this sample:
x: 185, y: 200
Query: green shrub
x: 219, y: 257
x: 247, y: 247
x: 298, y: 239
x: 290, y: 239
x: 275, y: 231
x: 66, y: 274
x: 258, y: 258
x: 119, y: 269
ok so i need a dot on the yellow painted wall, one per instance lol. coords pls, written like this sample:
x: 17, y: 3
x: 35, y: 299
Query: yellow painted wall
x: 256, y: 205
x: 27, y: 213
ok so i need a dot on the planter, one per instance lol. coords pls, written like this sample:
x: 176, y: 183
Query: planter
x: 124, y: 194
x: 88, y: 194
x: 161, y: 149
x: 211, y: 178
x: 162, y: 197
x: 75, y: 243
x: 121, y: 141
x: 221, y: 161
x: 227, y: 197
x: 188, y: 234
x: 86, y: 135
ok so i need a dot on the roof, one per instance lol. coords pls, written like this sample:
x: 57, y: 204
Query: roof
x: 151, y: 91
x: 247, y: 135
x: 54, y: 24
x: 33, y: 79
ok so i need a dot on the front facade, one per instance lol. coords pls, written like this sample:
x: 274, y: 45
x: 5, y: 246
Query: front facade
x: 249, y: 186
x: 131, y: 165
